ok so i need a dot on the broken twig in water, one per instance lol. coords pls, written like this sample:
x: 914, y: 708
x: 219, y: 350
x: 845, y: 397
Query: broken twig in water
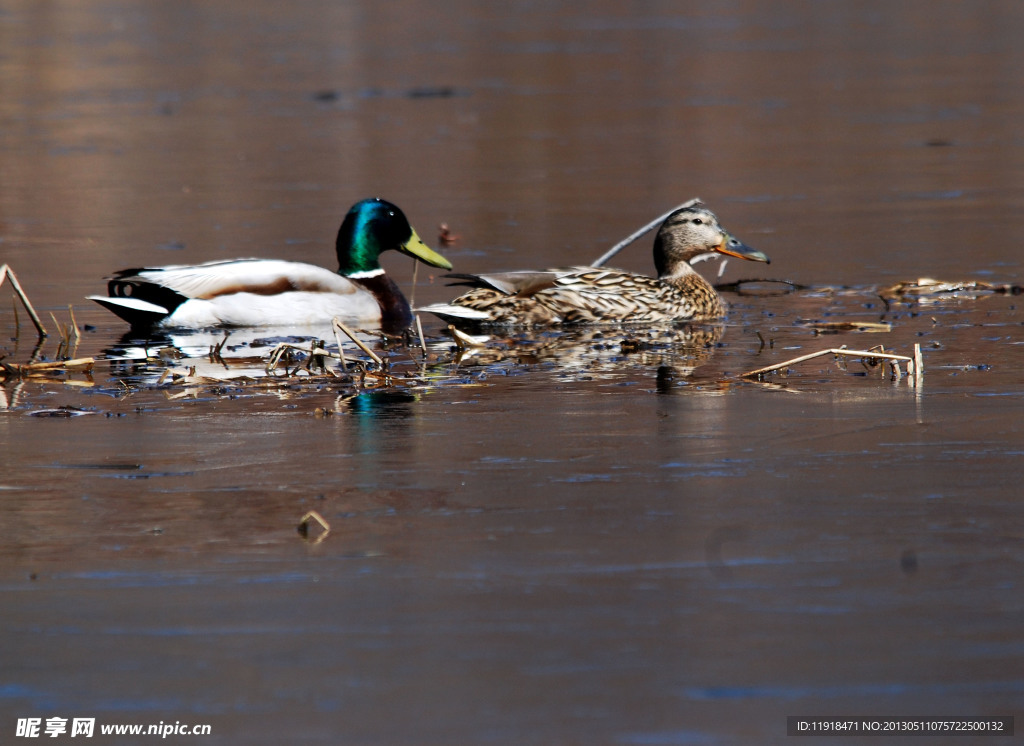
x: 423, y: 342
x: 316, y: 352
x: 313, y: 517
x: 834, y: 327
x: 359, y: 343
x: 926, y: 287
x: 74, y: 325
x: 635, y: 235
x: 315, y: 355
x: 415, y: 276
x: 467, y: 341
x: 918, y: 366
x: 29, y: 369
x: 7, y: 273
x: 216, y: 351
x: 916, y: 361
x: 341, y: 350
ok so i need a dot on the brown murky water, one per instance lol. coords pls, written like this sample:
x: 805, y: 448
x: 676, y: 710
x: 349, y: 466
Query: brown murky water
x: 606, y: 538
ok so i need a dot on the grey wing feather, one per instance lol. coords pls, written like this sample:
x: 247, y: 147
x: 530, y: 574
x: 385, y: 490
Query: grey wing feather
x: 521, y: 283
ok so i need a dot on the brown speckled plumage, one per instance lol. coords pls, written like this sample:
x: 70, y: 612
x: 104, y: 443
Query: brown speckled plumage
x: 595, y: 295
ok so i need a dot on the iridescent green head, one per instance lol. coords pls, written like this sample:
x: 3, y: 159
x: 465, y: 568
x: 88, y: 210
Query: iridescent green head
x: 372, y: 227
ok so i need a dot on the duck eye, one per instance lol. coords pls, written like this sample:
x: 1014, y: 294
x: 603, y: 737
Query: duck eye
x: 391, y: 213
x: 698, y: 221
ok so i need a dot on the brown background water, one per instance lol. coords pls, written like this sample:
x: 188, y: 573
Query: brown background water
x: 598, y: 547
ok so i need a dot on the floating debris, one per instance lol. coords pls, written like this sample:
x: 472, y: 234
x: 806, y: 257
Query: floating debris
x: 338, y: 326
x: 915, y: 364
x: 307, y: 520
x: 445, y: 236
x: 60, y: 412
x: 315, y: 356
x: 467, y: 341
x: 27, y: 370
x: 835, y: 327
x: 436, y: 91
x: 926, y: 287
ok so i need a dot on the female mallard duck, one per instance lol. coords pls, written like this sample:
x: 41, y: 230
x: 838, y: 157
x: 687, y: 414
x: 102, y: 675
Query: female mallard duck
x: 272, y: 292
x: 594, y: 295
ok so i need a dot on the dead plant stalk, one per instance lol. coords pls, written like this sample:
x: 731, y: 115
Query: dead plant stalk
x: 358, y: 342
x: 7, y: 273
x: 915, y: 361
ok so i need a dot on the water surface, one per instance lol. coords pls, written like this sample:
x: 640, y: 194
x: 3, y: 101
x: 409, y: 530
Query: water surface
x: 606, y: 537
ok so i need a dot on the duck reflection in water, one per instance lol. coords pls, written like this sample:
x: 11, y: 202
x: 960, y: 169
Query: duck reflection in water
x: 597, y: 352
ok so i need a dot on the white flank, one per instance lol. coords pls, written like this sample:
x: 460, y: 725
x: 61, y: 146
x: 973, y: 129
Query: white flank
x: 282, y: 309
x: 460, y: 312
x: 214, y: 278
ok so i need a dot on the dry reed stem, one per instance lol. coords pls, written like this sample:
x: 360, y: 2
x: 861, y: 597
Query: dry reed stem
x: 849, y: 326
x: 925, y: 287
x: 62, y: 330
x: 831, y: 351
x: 303, y: 526
x: 29, y: 369
x: 465, y: 341
x: 415, y: 274
x: 74, y: 324
x: 313, y: 351
x: 359, y: 343
x: 216, y: 351
x: 81, y: 362
x: 423, y: 342
x: 341, y: 349
x: 7, y: 273
x: 639, y: 232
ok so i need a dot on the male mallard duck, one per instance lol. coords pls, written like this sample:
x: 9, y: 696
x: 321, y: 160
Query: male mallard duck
x: 594, y: 295
x: 273, y: 292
